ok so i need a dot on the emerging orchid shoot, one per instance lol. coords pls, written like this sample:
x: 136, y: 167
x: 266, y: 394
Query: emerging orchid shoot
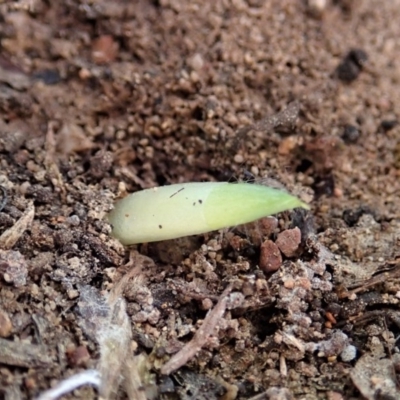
x: 184, y: 209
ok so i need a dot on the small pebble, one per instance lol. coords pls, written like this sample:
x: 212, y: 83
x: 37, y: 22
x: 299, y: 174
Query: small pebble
x: 350, y: 134
x: 316, y: 7
x: 288, y: 145
x: 248, y: 289
x: 351, y: 66
x: 5, y: 324
x: 389, y: 124
x: 289, y: 283
x: 73, y: 220
x: 206, y: 304
x: 196, y: 62
x: 289, y: 241
x: 78, y: 357
x: 30, y: 383
x: 104, y: 49
x: 238, y: 159
x: 270, y: 257
x: 334, y: 396
x: 349, y: 353
x: 72, y: 294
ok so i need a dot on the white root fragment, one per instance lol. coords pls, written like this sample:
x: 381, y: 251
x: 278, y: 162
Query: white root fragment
x: 104, y: 319
x: 201, y: 336
x: 114, y: 340
x: 88, y: 377
x: 11, y: 235
x: 133, y: 381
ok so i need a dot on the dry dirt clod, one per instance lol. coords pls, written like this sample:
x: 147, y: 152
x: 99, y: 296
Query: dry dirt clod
x: 101, y: 163
x: 13, y: 267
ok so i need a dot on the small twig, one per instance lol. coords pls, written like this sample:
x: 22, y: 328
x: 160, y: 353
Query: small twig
x: 50, y: 160
x: 89, y: 377
x: 23, y: 355
x: 11, y: 235
x: 120, y: 286
x: 285, y: 119
x: 133, y: 377
x: 201, y: 336
x: 375, y: 280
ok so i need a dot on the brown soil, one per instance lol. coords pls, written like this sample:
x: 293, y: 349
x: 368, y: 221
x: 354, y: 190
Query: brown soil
x: 100, y: 98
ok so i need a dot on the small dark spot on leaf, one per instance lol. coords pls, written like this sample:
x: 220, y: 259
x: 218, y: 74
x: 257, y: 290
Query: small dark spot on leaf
x: 201, y: 201
x: 160, y: 226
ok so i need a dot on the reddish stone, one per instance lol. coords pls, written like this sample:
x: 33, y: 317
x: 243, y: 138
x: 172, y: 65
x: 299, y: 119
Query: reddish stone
x: 104, y: 49
x: 289, y: 241
x: 270, y: 257
x: 79, y: 356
